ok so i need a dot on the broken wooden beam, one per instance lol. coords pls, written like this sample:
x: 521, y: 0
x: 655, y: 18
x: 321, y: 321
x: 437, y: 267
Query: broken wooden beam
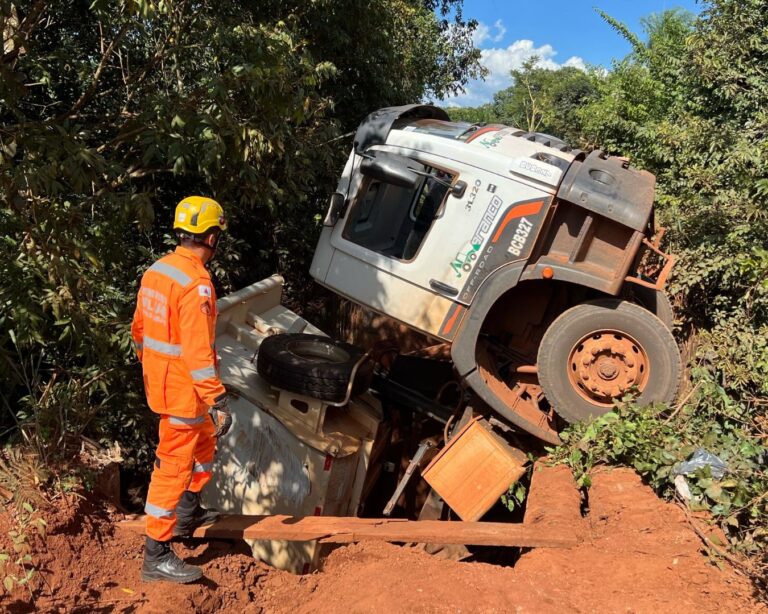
x: 342, y: 530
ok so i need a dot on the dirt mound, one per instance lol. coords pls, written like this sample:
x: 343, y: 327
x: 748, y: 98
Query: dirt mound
x: 87, y: 564
x: 638, y: 555
x: 387, y: 578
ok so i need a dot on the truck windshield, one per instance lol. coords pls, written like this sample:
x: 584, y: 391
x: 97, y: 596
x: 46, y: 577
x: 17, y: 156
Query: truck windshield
x: 394, y: 221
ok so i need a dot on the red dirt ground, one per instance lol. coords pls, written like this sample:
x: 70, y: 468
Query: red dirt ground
x: 638, y: 555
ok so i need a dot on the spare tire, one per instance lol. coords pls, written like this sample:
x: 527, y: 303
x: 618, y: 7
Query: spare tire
x: 313, y: 365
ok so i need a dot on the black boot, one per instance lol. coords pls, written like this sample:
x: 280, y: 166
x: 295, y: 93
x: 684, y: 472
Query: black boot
x: 189, y: 514
x: 161, y: 563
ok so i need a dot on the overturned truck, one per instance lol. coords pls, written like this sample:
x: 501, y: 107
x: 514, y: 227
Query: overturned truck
x: 534, y: 268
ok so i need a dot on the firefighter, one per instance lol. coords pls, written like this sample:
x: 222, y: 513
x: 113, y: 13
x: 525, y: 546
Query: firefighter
x: 174, y: 331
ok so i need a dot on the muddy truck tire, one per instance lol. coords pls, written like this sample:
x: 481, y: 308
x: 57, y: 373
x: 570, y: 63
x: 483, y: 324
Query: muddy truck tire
x: 313, y: 365
x: 656, y: 302
x: 599, y: 351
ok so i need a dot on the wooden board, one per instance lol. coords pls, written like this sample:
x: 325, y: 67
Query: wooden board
x: 342, y: 530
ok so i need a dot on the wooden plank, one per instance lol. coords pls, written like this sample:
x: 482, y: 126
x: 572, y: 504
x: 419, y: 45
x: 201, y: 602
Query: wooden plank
x: 342, y: 530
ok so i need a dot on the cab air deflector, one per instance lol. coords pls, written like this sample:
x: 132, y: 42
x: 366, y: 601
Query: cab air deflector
x: 374, y: 129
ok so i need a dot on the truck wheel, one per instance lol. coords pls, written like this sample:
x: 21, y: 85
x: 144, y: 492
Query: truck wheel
x: 312, y: 365
x: 656, y: 302
x: 601, y: 350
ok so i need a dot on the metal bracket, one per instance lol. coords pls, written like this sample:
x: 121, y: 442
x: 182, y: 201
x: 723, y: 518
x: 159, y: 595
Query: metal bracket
x: 352, y: 375
x: 417, y: 461
x: 661, y: 278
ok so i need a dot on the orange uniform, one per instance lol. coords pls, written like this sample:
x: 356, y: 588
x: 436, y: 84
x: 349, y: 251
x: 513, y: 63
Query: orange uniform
x: 174, y: 329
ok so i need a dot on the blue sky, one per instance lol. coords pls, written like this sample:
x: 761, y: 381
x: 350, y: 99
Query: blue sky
x: 560, y: 32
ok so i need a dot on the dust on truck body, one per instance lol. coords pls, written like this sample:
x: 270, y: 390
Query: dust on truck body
x: 286, y: 453
x: 518, y: 251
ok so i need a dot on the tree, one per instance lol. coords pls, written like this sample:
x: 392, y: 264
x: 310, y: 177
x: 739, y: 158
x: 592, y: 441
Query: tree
x: 111, y: 111
x: 544, y: 100
x: 386, y: 52
x: 539, y: 100
x: 474, y: 115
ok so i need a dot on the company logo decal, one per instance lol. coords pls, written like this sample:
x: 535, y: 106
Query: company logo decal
x: 493, y: 141
x: 463, y: 261
x: 509, y: 241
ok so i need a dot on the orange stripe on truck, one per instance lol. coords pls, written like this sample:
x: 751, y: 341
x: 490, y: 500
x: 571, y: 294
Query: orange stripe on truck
x: 457, y: 311
x: 531, y: 208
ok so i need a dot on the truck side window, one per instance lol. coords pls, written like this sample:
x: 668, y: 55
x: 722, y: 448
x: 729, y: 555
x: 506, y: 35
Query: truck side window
x: 394, y: 221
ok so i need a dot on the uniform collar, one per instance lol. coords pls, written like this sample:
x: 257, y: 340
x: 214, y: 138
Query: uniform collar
x: 188, y: 253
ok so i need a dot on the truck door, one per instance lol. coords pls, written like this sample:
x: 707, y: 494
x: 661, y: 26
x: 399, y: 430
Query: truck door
x: 413, y: 244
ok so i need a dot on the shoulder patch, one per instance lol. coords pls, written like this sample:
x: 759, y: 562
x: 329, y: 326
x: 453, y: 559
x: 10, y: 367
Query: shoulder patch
x: 204, y: 290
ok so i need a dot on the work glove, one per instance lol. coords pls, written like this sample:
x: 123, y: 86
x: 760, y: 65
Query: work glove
x: 222, y: 417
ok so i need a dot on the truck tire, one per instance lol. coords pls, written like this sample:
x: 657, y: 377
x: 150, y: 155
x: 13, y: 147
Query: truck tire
x: 656, y: 302
x: 312, y: 365
x: 600, y: 351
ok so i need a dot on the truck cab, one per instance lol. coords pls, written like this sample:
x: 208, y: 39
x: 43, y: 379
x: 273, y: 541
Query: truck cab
x: 481, y: 236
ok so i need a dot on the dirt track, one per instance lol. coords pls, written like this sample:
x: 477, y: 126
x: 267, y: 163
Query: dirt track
x: 638, y: 555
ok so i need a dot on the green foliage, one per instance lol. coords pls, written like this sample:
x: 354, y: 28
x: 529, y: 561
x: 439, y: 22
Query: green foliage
x: 516, y: 494
x: 539, y: 100
x: 23, y: 474
x: 484, y: 114
x: 403, y: 51
x: 543, y: 100
x: 17, y: 567
x: 112, y: 111
x: 624, y: 32
x: 653, y: 439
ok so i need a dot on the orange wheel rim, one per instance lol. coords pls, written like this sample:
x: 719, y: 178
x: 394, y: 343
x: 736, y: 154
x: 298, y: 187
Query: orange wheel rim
x: 605, y: 365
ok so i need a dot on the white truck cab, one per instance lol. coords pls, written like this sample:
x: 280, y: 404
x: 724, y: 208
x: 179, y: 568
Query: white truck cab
x: 417, y: 253
x: 440, y: 224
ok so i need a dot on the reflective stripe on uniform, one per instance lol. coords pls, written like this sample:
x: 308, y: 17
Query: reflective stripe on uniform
x: 178, y: 420
x: 204, y: 373
x: 171, y: 349
x: 202, y: 467
x: 171, y: 271
x: 158, y: 512
x: 139, y: 346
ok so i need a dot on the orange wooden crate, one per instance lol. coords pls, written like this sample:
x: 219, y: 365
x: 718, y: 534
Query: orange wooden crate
x: 474, y: 470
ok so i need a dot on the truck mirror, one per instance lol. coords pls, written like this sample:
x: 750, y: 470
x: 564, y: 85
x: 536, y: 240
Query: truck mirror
x: 335, y: 209
x: 389, y: 168
x: 458, y: 189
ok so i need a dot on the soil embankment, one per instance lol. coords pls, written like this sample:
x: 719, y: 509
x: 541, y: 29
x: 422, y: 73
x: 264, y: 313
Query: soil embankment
x: 638, y: 555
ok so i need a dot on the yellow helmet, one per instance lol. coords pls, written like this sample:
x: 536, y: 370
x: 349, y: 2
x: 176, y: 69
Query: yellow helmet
x: 198, y: 214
